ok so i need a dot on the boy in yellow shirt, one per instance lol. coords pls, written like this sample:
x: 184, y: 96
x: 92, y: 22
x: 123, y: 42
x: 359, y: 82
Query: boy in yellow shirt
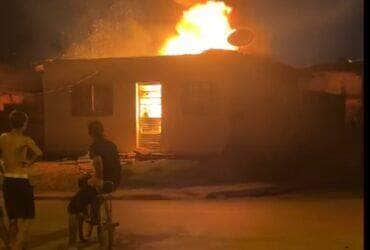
x: 15, y: 149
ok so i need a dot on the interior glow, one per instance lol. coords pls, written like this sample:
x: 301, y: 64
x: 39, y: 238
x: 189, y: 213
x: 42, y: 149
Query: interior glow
x: 150, y: 101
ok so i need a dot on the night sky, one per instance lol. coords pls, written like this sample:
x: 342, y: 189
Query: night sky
x: 298, y: 32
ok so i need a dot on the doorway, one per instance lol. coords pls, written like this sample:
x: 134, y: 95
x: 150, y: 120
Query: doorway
x: 148, y: 115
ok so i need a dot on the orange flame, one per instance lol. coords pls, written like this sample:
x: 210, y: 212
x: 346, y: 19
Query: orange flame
x: 202, y: 27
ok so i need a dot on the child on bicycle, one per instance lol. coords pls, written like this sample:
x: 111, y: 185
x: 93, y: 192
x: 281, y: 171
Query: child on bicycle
x: 17, y: 190
x: 106, y: 162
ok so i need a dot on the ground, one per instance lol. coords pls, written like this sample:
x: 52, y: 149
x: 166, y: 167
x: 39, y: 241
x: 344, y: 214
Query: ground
x: 176, y: 173
x: 216, y: 204
x: 296, y: 221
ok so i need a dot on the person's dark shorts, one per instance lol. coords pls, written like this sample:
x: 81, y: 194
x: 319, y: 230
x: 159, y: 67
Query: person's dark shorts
x: 85, y: 196
x: 18, y: 198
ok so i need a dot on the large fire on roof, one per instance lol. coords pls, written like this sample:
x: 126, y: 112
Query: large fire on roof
x: 202, y: 27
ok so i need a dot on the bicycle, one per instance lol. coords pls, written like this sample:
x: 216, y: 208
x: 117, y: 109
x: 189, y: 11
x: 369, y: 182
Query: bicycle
x: 102, y: 220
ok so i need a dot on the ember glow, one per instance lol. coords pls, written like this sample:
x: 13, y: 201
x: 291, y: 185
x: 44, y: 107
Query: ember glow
x: 150, y: 101
x: 202, y: 27
x: 9, y: 99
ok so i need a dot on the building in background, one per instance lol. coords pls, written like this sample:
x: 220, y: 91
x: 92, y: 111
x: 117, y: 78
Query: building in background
x: 210, y: 103
x: 21, y: 89
x: 341, y: 78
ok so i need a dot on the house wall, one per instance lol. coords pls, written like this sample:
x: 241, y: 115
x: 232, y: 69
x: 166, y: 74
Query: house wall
x: 253, y: 102
x: 263, y: 107
x: 324, y: 119
x: 64, y: 132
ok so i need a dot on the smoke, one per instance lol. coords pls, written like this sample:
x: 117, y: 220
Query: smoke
x: 308, y: 31
x: 117, y: 33
x: 297, y: 32
x: 123, y: 30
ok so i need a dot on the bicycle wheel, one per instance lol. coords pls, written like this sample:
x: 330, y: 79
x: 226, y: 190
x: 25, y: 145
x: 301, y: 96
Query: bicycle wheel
x: 105, y: 228
x: 85, y: 226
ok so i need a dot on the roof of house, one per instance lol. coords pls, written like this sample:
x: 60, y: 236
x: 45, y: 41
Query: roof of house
x: 214, y: 54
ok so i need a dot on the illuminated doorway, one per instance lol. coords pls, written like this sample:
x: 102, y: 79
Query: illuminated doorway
x: 148, y: 115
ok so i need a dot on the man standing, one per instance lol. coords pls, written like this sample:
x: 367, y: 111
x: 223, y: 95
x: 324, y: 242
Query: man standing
x: 18, y: 152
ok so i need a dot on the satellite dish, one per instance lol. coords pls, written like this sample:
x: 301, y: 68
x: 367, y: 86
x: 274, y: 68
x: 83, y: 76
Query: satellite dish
x: 241, y: 37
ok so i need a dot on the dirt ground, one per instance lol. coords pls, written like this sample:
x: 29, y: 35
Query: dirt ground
x: 318, y: 221
x: 159, y: 174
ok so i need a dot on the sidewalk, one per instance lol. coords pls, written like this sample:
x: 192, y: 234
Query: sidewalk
x: 188, y: 193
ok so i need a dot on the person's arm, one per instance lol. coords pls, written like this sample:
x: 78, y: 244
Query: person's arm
x: 97, y: 162
x: 36, y: 152
x: 98, y: 166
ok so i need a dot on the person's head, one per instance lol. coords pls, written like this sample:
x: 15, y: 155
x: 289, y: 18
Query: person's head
x: 96, y: 130
x: 18, y: 120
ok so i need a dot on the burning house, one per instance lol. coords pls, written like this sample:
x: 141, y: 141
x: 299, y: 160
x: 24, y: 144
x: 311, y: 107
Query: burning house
x: 200, y: 96
x: 189, y: 104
